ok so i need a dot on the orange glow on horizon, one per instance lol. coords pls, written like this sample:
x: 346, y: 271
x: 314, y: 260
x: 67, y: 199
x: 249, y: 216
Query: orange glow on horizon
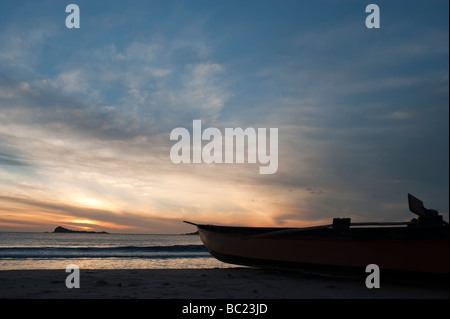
x: 203, y: 202
x: 84, y: 221
x: 100, y: 224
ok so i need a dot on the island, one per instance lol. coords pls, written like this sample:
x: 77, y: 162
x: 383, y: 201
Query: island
x: 60, y: 229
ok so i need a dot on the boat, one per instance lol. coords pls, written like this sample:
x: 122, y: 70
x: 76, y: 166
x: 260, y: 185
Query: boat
x: 420, y: 245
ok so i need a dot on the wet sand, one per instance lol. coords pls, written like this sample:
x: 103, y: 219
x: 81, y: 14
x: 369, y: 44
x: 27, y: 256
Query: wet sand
x: 231, y: 283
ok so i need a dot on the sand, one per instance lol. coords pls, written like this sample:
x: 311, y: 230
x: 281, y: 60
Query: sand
x: 231, y: 283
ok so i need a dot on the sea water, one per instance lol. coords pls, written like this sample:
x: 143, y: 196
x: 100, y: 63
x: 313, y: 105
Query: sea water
x: 103, y: 251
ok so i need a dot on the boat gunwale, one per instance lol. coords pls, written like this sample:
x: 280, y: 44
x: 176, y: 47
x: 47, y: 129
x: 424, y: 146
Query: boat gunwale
x: 353, y: 233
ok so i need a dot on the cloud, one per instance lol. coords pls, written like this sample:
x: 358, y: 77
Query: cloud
x: 7, y: 159
x: 200, y: 93
x: 22, y: 46
x: 115, y: 93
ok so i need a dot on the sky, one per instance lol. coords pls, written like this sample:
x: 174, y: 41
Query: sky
x: 86, y: 113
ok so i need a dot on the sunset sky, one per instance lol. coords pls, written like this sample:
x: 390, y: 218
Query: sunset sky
x: 86, y: 114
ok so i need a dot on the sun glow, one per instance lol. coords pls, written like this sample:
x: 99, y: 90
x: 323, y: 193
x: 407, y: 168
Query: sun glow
x: 85, y: 224
x: 83, y: 221
x: 91, y: 202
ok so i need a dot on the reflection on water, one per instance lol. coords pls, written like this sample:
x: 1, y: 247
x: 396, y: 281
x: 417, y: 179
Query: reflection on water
x: 113, y: 263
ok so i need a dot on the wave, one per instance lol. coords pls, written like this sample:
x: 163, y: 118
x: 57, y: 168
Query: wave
x: 174, y: 251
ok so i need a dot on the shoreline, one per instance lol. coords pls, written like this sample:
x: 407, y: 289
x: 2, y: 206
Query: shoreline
x: 226, y: 283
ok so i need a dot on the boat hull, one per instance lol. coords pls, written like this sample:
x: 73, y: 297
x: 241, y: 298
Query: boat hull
x: 392, y: 249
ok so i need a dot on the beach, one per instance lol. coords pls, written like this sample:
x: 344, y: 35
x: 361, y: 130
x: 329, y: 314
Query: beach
x: 168, y: 267
x: 230, y: 283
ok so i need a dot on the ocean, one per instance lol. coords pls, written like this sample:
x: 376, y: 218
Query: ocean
x: 23, y: 250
